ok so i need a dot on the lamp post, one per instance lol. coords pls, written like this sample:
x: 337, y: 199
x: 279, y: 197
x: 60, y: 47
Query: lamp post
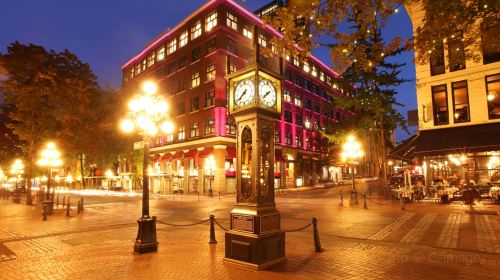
x: 351, y: 151
x: 50, y: 157
x: 147, y: 114
x: 17, y: 169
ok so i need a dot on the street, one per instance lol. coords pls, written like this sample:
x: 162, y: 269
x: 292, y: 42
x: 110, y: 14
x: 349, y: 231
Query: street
x: 375, y: 243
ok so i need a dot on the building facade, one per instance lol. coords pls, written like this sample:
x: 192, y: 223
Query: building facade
x: 190, y: 62
x: 458, y: 110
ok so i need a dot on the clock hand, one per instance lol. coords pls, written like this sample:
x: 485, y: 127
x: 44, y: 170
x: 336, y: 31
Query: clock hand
x: 265, y: 95
x: 241, y: 96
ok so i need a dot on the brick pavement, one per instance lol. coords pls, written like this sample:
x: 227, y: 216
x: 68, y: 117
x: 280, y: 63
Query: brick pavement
x: 378, y: 243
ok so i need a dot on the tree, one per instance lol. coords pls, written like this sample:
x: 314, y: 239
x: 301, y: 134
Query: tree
x: 10, y: 145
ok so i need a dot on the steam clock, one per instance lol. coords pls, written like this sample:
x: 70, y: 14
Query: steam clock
x: 255, y: 238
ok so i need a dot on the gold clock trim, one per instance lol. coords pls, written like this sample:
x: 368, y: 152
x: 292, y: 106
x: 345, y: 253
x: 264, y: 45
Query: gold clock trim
x: 232, y: 83
x: 277, y: 85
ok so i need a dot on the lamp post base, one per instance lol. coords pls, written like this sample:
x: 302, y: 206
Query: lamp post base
x: 146, y: 236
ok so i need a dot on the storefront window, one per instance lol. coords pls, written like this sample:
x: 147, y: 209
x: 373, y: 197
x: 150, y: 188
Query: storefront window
x: 493, y: 96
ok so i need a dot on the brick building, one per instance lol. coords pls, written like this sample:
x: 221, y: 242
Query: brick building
x: 189, y: 62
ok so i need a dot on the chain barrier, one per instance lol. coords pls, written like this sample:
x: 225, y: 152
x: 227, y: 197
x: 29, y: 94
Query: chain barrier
x: 183, y: 225
x: 298, y: 229
x: 221, y: 226
x: 369, y: 199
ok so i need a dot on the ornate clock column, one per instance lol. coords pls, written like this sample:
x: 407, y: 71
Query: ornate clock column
x: 255, y: 238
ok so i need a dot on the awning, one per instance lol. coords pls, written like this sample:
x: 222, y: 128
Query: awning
x: 165, y: 157
x: 278, y: 156
x: 206, y: 152
x: 155, y: 157
x: 455, y: 140
x: 178, y: 155
x: 231, y: 152
x: 191, y: 154
x: 405, y: 149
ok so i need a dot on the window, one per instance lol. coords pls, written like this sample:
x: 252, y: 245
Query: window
x: 209, y: 99
x: 493, y: 95
x: 288, y: 116
x: 171, y: 68
x: 171, y: 46
x: 298, y: 139
x: 316, y: 107
x: 211, y: 21
x: 161, y: 72
x: 211, y: 46
x: 490, y: 41
x: 230, y: 126
x: 262, y: 40
x: 144, y: 64
x: 298, y: 100
x: 209, y: 126
x: 307, y: 104
x: 296, y: 61
x: 195, y: 130
x: 170, y: 137
x: 182, y: 85
x: 210, y: 73
x: 440, y: 104
x: 195, y: 79
x: 322, y: 76
x: 196, y: 30
x: 181, y: 108
x: 232, y: 69
x: 181, y: 133
x: 247, y: 33
x: 308, y: 143
x: 183, y: 39
x: 456, y: 54
x: 314, y: 71
x: 288, y: 75
x: 195, y: 103
x: 306, y: 67
x: 460, y: 95
x: 160, y: 53
x: 277, y: 136
x: 307, y: 123
x: 232, y: 21
x: 316, y: 124
x: 195, y: 54
x: 307, y: 84
x: 231, y: 46
x: 182, y: 61
x: 287, y: 96
x: 288, y: 138
x: 298, y: 119
x: 298, y: 80
x: 437, y: 59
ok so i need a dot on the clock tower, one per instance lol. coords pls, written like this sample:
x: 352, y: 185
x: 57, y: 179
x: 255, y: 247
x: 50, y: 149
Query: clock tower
x: 255, y: 238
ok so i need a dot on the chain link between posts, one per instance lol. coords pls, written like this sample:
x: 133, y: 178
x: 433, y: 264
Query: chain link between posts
x: 221, y: 226
x: 298, y: 229
x: 183, y: 225
x: 368, y: 198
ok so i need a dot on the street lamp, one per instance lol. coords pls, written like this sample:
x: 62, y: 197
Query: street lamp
x: 50, y: 157
x: 147, y: 114
x: 17, y: 169
x: 351, y: 151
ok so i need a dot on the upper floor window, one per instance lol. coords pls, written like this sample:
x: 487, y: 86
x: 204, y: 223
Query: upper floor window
x: 298, y: 119
x: 437, y: 59
x: 209, y: 126
x: 231, y: 46
x: 298, y: 139
x: 277, y: 136
x: 183, y: 39
x: 306, y: 67
x: 181, y: 108
x: 262, y: 40
x: 440, y: 104
x: 298, y: 100
x: 247, y: 33
x: 461, y: 112
x: 195, y: 79
x: 456, y: 54
x: 314, y: 71
x: 210, y: 98
x: 493, y: 96
x: 211, y: 21
x: 287, y: 96
x: 195, y: 53
x: 232, y: 69
x: 210, y: 73
x: 288, y: 116
x: 170, y: 137
x: 316, y: 107
x: 160, y: 53
x: 196, y: 30
x: 195, y: 130
x: 316, y: 124
x: 195, y: 103
x: 296, y: 61
x: 182, y: 84
x: 211, y: 45
x: 151, y: 59
x: 182, y: 61
x: 181, y: 133
x: 171, y: 68
x: 322, y: 76
x: 490, y: 41
x: 232, y: 21
x: 307, y: 122
x: 171, y: 46
x: 288, y: 138
x: 307, y: 104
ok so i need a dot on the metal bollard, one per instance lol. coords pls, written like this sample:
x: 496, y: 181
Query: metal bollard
x: 198, y: 193
x: 364, y: 201
x: 81, y: 204
x: 219, y: 195
x: 44, y: 213
x: 212, y: 230
x: 341, y: 198
x: 57, y: 201
x: 64, y: 201
x: 401, y: 201
x: 78, y: 207
x: 317, y: 245
x: 67, y: 209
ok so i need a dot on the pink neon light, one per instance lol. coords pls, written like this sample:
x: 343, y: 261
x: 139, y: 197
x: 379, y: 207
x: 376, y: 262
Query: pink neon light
x: 220, y: 121
x: 239, y: 8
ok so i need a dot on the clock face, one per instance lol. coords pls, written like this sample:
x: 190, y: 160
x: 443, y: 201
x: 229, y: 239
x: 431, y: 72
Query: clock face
x: 244, y: 92
x: 267, y: 93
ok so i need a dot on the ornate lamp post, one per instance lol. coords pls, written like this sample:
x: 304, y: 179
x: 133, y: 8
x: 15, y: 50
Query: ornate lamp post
x: 50, y: 157
x: 351, y: 151
x: 17, y: 169
x: 147, y: 114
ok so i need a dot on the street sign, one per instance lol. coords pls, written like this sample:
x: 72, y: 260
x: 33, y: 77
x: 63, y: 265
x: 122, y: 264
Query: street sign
x: 138, y: 145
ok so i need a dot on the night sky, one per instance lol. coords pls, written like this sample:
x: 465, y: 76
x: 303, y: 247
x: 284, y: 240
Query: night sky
x: 106, y: 34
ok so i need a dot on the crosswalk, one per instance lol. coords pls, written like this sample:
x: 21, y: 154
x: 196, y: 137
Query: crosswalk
x: 452, y: 230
